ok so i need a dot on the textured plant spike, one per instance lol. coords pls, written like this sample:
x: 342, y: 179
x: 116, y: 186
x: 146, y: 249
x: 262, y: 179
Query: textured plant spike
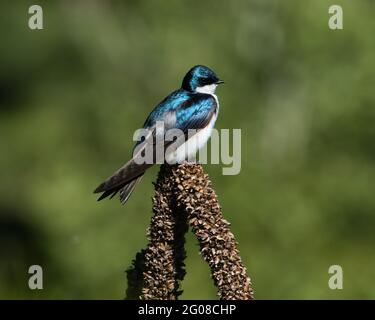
x: 165, y: 254
x: 218, y: 246
x: 184, y: 195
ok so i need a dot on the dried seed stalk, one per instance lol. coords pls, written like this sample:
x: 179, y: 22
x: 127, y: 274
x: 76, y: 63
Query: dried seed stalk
x: 217, y: 243
x: 164, y: 256
x: 184, y: 195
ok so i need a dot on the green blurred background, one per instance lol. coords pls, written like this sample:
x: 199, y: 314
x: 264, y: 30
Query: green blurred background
x: 72, y: 94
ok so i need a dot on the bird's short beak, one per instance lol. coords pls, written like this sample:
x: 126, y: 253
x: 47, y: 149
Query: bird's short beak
x: 220, y: 82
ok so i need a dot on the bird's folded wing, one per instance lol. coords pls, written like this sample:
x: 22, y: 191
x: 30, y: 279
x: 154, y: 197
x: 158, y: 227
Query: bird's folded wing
x: 195, y: 113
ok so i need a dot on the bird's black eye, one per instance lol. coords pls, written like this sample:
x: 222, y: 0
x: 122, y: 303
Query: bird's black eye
x: 205, y: 81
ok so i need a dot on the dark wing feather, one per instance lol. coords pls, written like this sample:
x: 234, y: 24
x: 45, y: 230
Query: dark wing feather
x: 198, y: 117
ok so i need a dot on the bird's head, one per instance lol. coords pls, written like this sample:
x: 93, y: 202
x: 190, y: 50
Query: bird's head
x: 201, y: 79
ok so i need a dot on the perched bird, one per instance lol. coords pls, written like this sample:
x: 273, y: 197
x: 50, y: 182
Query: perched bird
x: 194, y: 106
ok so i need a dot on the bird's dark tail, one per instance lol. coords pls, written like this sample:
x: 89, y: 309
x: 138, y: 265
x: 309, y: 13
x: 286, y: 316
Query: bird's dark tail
x: 123, y: 180
x: 127, y: 190
x: 124, y: 189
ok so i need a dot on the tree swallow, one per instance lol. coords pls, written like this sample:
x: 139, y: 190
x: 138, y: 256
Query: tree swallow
x: 194, y: 106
